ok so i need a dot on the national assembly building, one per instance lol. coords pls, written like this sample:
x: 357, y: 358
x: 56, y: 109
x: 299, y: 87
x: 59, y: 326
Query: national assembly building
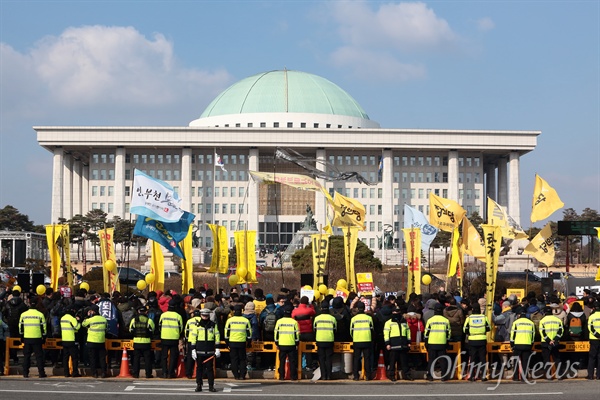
x: 305, y: 116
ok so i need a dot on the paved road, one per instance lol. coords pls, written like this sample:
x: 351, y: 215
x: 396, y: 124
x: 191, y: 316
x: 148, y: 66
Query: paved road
x: 77, y: 389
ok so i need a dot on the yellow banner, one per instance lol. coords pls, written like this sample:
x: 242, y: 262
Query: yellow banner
x: 412, y: 238
x: 294, y: 180
x: 454, y: 255
x: 107, y: 251
x: 472, y: 241
x: 348, y: 212
x: 187, y: 264
x: 350, y: 242
x: 545, y: 200
x: 320, y: 249
x: 220, y: 256
x: 542, y: 246
x: 67, y: 251
x: 157, y: 267
x: 444, y: 214
x: 364, y: 283
x: 497, y: 216
x: 492, y: 238
x: 53, y: 233
x: 246, y: 256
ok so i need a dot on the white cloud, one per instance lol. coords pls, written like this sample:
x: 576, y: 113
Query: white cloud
x: 485, y: 24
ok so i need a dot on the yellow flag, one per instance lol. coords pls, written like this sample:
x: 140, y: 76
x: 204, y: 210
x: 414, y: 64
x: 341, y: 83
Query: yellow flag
x: 246, y: 256
x: 348, y: 212
x: 220, y: 255
x: 472, y: 241
x: 545, y: 200
x: 492, y: 239
x: 251, y: 256
x: 444, y: 214
x: 320, y: 249
x: 542, y: 246
x: 67, y: 250
x: 598, y: 230
x: 107, y: 252
x: 597, y: 278
x: 157, y: 267
x: 497, y: 216
x: 187, y: 263
x: 412, y: 238
x: 455, y: 255
x: 350, y: 243
x: 53, y: 233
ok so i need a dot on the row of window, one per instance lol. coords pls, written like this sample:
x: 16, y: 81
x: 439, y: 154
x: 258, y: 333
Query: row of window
x: 207, y: 208
x: 405, y: 161
x: 277, y: 125
x: 218, y: 192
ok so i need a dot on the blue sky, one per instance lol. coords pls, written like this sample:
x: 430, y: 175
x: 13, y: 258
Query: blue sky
x: 510, y: 65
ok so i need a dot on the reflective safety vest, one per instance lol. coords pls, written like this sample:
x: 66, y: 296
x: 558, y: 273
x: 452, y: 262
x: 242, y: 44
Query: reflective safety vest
x: 142, y: 329
x: 396, y: 334
x: 238, y: 329
x: 205, y: 339
x: 170, y: 325
x: 361, y: 326
x: 551, y: 327
x: 32, y: 324
x: 190, y: 325
x: 69, y: 326
x: 287, y: 332
x: 594, y: 325
x: 476, y: 326
x: 437, y: 330
x: 97, y: 327
x: 325, y: 326
x: 522, y: 332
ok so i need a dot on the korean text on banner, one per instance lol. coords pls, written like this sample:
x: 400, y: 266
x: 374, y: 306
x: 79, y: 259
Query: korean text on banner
x: 320, y: 249
x: 492, y: 238
x: 348, y: 212
x: 53, y: 233
x: 107, y: 251
x: 412, y: 237
x: 154, y: 199
x: 168, y: 234
x: 542, y: 246
x: 444, y: 213
x: 364, y: 283
x: 350, y: 243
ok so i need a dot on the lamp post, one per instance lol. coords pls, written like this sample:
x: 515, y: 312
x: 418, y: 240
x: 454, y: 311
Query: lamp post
x: 83, y: 238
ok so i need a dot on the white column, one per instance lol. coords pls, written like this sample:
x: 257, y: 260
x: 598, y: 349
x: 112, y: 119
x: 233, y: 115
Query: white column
x: 387, y: 179
x: 85, y: 189
x: 490, y: 181
x: 67, y: 186
x: 77, y: 187
x: 502, y: 182
x: 514, y: 209
x: 453, y: 175
x: 119, y: 193
x: 57, y: 185
x: 186, y: 178
x: 253, y: 191
x: 320, y: 203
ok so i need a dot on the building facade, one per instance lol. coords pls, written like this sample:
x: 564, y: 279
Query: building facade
x: 93, y: 167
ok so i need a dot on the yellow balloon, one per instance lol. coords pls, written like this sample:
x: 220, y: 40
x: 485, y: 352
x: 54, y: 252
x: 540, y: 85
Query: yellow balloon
x: 84, y: 286
x: 331, y: 291
x: 233, y: 280
x: 323, y: 288
x: 342, y: 283
x: 426, y: 279
x: 317, y: 295
x: 141, y: 284
x: 307, y: 287
x: 241, y: 272
x: 40, y: 290
x: 149, y: 279
x: 110, y: 265
x: 17, y: 287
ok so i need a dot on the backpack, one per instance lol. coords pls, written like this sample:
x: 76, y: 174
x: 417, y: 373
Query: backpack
x: 575, y: 328
x: 128, y: 315
x: 536, y: 317
x: 270, y: 321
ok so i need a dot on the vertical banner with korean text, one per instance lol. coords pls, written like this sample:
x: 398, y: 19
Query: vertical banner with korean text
x: 187, y: 263
x: 320, y: 249
x: 412, y: 238
x: 66, y: 245
x: 107, y: 251
x: 53, y: 233
x: 492, y: 239
x: 246, y: 256
x: 157, y: 267
x: 350, y: 242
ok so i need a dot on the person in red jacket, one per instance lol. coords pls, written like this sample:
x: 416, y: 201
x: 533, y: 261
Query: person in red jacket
x: 304, y: 314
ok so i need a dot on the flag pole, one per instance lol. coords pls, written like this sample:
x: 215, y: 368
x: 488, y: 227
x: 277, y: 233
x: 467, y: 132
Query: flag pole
x: 213, y: 214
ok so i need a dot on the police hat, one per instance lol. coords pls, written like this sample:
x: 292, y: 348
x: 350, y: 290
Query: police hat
x: 205, y: 311
x: 142, y: 309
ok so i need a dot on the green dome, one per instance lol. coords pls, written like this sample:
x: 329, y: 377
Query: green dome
x: 284, y: 92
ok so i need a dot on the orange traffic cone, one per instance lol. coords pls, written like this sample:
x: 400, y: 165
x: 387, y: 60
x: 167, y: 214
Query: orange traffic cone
x: 181, y: 366
x: 381, y: 374
x: 124, y: 373
x: 288, y: 374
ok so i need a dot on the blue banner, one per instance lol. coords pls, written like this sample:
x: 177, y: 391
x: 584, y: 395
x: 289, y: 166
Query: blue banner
x: 168, y: 234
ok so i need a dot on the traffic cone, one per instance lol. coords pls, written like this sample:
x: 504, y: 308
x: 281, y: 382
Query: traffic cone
x: 381, y: 374
x: 181, y: 366
x: 288, y: 374
x: 124, y: 373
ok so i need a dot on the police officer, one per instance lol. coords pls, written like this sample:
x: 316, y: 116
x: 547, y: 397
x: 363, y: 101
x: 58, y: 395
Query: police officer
x: 475, y: 328
x: 325, y: 326
x: 97, y: 327
x: 522, y: 334
x: 594, y: 329
x: 205, y: 339
x: 171, y: 327
x: 551, y: 330
x: 437, y: 334
x: 361, y: 330
x: 142, y: 329
x: 190, y: 325
x: 287, y: 337
x: 69, y: 326
x: 238, y: 333
x: 396, y: 336
x: 32, y: 327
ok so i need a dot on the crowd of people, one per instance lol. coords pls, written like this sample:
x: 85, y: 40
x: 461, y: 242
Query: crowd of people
x: 199, y: 321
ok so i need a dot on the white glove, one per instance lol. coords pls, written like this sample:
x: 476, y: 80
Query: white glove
x: 194, y: 355
x: 217, y: 353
